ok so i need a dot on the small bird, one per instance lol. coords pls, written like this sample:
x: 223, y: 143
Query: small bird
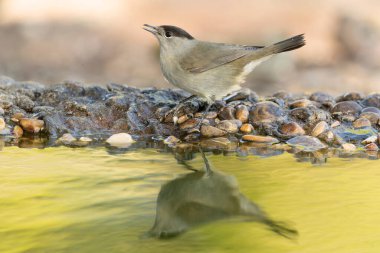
x: 207, y: 69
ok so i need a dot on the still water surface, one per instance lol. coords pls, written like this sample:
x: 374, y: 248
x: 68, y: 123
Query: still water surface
x: 61, y: 199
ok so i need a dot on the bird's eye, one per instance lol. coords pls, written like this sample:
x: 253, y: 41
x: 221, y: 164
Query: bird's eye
x: 168, y: 34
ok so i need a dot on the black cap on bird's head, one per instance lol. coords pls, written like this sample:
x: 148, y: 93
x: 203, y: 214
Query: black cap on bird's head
x: 168, y: 31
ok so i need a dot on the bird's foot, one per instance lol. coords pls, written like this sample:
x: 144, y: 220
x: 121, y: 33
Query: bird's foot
x: 187, y: 106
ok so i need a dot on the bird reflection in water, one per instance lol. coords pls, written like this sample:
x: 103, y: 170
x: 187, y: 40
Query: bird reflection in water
x: 205, y: 196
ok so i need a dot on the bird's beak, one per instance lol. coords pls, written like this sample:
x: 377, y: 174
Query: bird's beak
x: 151, y: 29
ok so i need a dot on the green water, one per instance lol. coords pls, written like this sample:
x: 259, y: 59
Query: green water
x: 96, y: 200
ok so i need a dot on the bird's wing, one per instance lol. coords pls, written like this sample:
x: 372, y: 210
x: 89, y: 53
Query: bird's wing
x: 205, y: 56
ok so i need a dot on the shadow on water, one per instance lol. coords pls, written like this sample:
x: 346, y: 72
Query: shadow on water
x: 204, y: 196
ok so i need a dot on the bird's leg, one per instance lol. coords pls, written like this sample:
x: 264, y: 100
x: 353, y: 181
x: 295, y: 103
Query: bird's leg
x: 208, y: 168
x: 209, y: 104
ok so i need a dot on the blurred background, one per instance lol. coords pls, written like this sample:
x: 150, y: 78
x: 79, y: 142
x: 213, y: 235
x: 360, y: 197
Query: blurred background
x: 101, y: 41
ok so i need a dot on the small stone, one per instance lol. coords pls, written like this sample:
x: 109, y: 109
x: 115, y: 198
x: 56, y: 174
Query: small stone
x: 371, y: 109
x: 2, y: 124
x: 228, y: 125
x: 189, y: 124
x: 335, y: 124
x: 346, y: 108
x: 321, y: 97
x: 349, y: 147
x: 182, y: 119
x: 371, y: 147
x: 31, y: 125
x: 209, y: 115
x: 227, y: 112
x: 259, y: 138
x: 300, y: 103
x: 1, y: 111
x: 17, y: 116
x: 306, y: 143
x: 371, y: 139
x: 372, y: 101
x: 218, y: 142
x: 320, y: 128
x: 66, y: 139
x: 351, y: 96
x: 120, y: 140
x: 242, y: 113
x: 171, y: 140
x: 291, y: 129
x: 85, y: 139
x: 246, y: 128
x: 17, y: 131
x: 361, y: 122
x: 371, y: 116
x: 210, y: 131
x: 266, y: 112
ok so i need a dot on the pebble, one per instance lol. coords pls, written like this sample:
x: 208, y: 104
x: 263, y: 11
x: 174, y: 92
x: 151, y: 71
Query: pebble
x: 31, y: 125
x: 291, y: 129
x: 189, y: 124
x: 218, y: 142
x: 227, y: 112
x: 17, y: 131
x: 350, y: 96
x: 182, y: 119
x: 371, y: 116
x: 242, y: 113
x: 1, y: 111
x: 335, y: 124
x: 306, y: 143
x: 361, y: 122
x: 85, y: 139
x: 2, y: 124
x: 171, y: 140
x: 371, y: 109
x: 120, y: 140
x: 209, y: 115
x: 66, y: 139
x: 321, y: 97
x: 372, y: 101
x: 17, y: 116
x: 246, y: 128
x: 228, y: 126
x: 349, y: 147
x: 210, y: 131
x: 346, y: 108
x: 300, y: 103
x: 371, y: 139
x: 260, y: 138
x: 266, y: 112
x: 371, y: 147
x: 320, y: 128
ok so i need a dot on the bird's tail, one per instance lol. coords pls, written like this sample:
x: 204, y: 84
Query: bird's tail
x: 287, y: 45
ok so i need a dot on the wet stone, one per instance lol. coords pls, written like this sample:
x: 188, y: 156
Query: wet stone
x: 351, y: 96
x: 349, y: 147
x: 66, y: 139
x: 85, y: 139
x: 372, y: 117
x: 210, y: 131
x: 227, y: 113
x: 17, y: 116
x: 266, y: 112
x: 335, y: 124
x: 292, y: 129
x: 171, y: 140
x: 1, y: 111
x: 218, y: 142
x: 242, y: 113
x: 354, y: 134
x: 372, y: 101
x: 371, y: 147
x: 189, y: 124
x: 306, y: 143
x: 300, y: 103
x: 17, y: 131
x: 320, y: 128
x: 371, y: 139
x: 31, y: 125
x: 260, y: 139
x: 321, y: 97
x: 120, y: 140
x: 361, y: 122
x: 182, y: 119
x: 371, y: 109
x: 2, y: 124
x: 228, y: 125
x: 346, y: 108
x: 246, y: 128
x: 209, y: 115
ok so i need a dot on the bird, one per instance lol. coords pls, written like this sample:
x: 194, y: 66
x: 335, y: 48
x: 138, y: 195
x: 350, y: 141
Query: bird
x: 211, y: 70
